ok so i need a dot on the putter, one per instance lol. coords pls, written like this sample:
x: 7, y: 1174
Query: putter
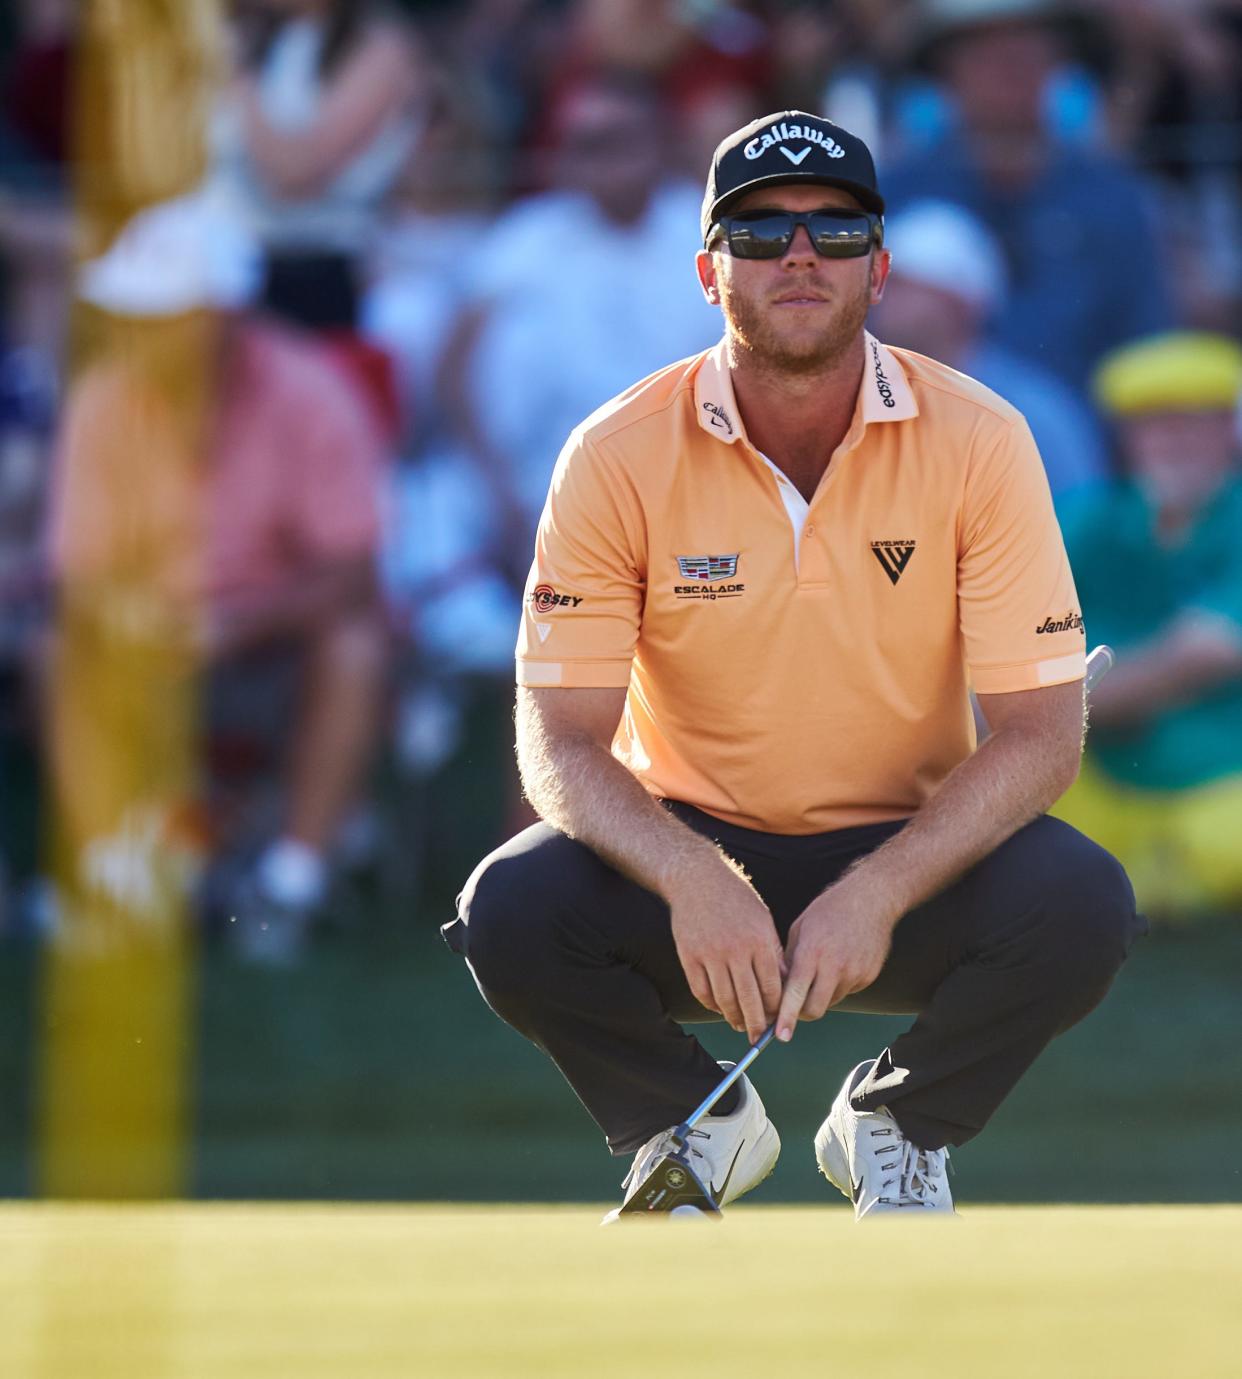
x: 671, y: 1184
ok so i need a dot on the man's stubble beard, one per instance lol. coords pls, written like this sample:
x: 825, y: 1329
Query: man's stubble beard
x: 755, y: 336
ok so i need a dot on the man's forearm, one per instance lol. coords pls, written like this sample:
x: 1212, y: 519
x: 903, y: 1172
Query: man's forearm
x: 578, y: 786
x: 1015, y: 776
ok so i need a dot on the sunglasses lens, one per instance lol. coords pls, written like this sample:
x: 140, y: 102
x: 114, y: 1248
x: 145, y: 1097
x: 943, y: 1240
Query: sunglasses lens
x: 768, y: 234
x: 845, y: 236
x: 760, y: 237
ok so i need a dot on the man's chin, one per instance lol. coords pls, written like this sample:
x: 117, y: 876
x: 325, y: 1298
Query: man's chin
x: 795, y: 348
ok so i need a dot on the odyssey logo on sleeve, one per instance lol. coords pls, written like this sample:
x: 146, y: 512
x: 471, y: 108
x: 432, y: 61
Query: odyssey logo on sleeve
x: 544, y: 598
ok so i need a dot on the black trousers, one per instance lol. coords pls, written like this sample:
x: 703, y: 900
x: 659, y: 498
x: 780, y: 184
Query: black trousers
x: 581, y: 960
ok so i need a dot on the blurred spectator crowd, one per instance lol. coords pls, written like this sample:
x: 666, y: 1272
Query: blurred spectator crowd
x: 431, y: 237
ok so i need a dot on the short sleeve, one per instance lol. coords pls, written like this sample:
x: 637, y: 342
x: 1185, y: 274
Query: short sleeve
x: 1020, y: 620
x: 584, y: 597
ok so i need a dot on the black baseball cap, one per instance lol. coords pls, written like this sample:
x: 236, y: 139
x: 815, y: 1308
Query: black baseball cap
x: 790, y: 146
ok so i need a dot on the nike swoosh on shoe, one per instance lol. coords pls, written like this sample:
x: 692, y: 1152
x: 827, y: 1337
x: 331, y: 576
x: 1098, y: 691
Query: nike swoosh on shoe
x: 719, y: 1192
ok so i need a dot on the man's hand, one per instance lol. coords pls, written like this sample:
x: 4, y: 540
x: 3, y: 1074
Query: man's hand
x: 728, y: 947
x: 725, y: 935
x: 837, y: 946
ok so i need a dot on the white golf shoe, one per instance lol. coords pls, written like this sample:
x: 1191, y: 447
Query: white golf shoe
x: 730, y: 1154
x: 865, y: 1155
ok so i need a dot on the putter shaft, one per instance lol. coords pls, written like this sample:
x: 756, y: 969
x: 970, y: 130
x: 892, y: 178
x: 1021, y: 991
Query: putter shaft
x: 729, y: 1079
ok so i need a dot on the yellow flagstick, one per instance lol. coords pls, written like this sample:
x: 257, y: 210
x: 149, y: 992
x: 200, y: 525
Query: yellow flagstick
x: 122, y: 667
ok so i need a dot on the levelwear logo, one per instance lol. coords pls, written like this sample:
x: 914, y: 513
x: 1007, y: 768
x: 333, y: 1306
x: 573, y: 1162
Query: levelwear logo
x: 1071, y: 622
x: 893, y: 556
x: 544, y: 598
x: 719, y: 416
x: 777, y: 134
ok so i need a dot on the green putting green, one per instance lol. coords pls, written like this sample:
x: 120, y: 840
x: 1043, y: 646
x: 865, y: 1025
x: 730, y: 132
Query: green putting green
x: 217, y: 1291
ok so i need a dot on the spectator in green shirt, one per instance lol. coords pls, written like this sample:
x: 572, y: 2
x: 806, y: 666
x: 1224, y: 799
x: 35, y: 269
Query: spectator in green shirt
x: 1157, y: 557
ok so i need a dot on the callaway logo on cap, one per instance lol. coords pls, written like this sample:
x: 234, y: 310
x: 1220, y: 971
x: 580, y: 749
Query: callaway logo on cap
x: 791, y: 146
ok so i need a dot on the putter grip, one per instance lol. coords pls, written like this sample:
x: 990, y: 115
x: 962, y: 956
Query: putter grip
x: 1099, y: 663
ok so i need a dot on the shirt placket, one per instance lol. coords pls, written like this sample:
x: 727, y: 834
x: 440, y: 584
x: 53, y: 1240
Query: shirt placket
x: 814, y: 565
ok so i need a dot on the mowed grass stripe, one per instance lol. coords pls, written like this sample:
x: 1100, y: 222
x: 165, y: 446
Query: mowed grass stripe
x: 205, y: 1291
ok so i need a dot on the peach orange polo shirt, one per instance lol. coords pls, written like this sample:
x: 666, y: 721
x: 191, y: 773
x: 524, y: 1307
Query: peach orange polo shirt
x: 800, y: 680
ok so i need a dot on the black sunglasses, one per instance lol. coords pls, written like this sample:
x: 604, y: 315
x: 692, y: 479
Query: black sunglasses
x: 836, y: 234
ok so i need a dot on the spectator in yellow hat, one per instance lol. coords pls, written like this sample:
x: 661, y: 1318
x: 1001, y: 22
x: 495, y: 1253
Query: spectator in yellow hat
x: 1158, y: 562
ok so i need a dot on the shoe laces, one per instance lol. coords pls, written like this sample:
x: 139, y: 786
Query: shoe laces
x: 654, y: 1150
x: 918, y: 1174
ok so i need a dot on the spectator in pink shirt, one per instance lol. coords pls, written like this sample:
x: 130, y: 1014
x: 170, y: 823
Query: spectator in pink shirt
x: 273, y: 550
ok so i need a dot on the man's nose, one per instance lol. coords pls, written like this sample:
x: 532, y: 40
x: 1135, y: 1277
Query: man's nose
x: 801, y: 247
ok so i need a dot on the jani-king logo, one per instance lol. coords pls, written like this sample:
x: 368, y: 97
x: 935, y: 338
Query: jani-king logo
x: 707, y: 566
x: 1070, y: 622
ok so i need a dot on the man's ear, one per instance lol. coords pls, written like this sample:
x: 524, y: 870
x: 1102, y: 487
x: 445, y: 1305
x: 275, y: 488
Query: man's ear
x: 881, y: 264
x: 705, y: 266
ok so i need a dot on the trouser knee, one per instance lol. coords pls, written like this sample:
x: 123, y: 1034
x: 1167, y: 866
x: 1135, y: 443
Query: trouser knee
x: 1089, y: 921
x: 514, y: 911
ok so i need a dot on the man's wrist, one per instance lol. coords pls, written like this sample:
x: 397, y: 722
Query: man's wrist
x: 706, y: 868
x: 875, y: 889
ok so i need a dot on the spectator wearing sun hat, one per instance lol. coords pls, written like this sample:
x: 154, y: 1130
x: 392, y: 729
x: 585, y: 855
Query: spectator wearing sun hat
x: 1158, y: 563
x: 947, y: 286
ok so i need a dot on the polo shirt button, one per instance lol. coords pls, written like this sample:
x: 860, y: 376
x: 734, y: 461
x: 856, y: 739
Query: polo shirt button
x: 810, y: 531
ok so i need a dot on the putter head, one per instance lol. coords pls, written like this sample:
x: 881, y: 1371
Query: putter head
x: 671, y: 1183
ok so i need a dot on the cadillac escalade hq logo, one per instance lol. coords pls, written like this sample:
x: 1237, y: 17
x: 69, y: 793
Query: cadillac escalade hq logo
x: 708, y: 572
x: 707, y: 566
